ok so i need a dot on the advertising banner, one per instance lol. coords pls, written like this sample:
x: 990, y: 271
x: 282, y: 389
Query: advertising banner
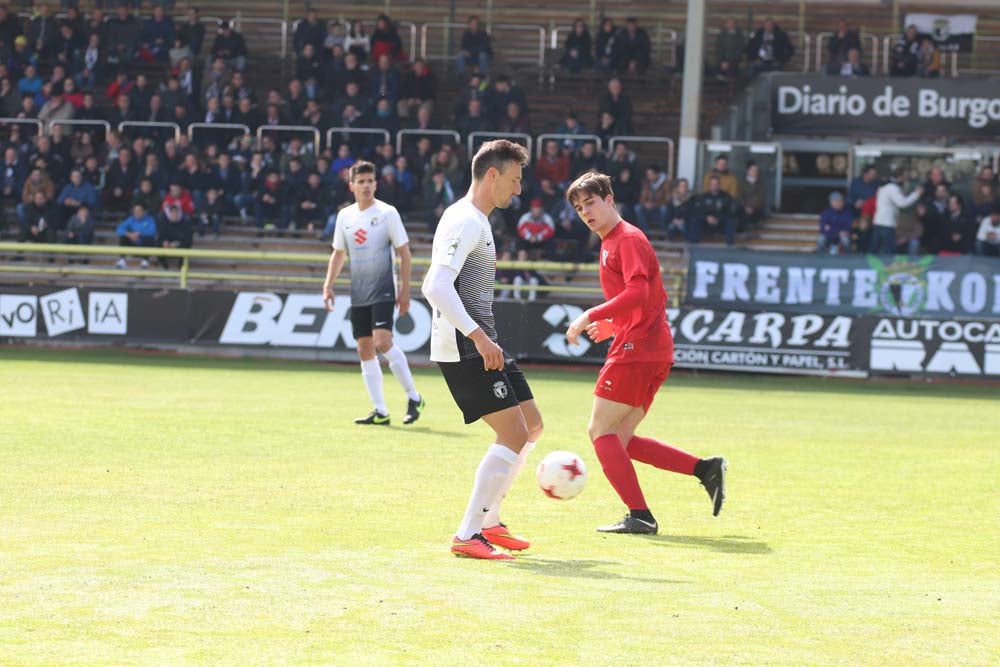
x: 965, y: 348
x: 950, y: 32
x: 844, y: 284
x: 821, y: 105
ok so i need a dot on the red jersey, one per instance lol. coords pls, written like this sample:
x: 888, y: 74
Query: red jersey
x: 636, y: 301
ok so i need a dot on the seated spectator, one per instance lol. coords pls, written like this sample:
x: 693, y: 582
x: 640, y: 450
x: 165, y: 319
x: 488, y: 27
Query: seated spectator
x: 229, y: 181
x: 30, y: 83
x: 620, y: 158
x: 651, y: 213
x: 178, y: 196
x: 358, y: 42
x: 123, y: 36
x: 139, y: 229
x: 157, y: 37
x: 147, y: 195
x: 842, y: 41
x: 605, y: 46
x: 851, y: 66
x: 476, y: 49
x: 474, y: 121
x: 385, y: 118
x: 577, y: 52
x: 498, y: 96
x: 903, y: 60
x: 37, y: 181
x: 535, y: 230
x: 632, y: 48
x: 679, y: 211
x: 307, y: 63
x: 174, y: 230
x: 835, y: 227
x: 957, y: 233
x: 514, y: 120
x: 336, y: 35
x: 390, y: 190
x: 627, y: 188
x: 607, y: 127
x: 230, y: 46
x: 75, y: 194
x: 385, y: 40
x: 932, y: 215
x: 80, y: 227
x: 571, y: 126
x: 313, y: 205
x: 713, y: 212
x: 863, y: 188
x: 66, y: 46
x: 988, y: 236
x: 587, y: 159
x: 384, y: 83
x: 553, y: 164
x: 472, y: 90
x: 752, y: 196
x: 928, y: 59
x: 769, y: 49
x: 438, y: 194
x: 727, y: 179
x: 730, y: 45
x: 13, y: 174
x: 618, y: 104
x: 209, y: 214
x: 417, y: 89
x: 272, y: 203
x: 38, y: 224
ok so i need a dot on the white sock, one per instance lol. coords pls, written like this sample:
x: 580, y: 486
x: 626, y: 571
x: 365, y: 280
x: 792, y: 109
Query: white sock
x: 493, y: 516
x: 371, y: 371
x: 401, y: 369
x: 491, y: 474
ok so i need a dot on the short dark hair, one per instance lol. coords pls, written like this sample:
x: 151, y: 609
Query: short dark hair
x: 591, y: 183
x: 362, y: 167
x: 497, y: 154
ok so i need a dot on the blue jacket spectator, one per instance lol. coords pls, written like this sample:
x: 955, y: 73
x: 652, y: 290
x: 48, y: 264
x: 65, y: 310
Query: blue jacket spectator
x: 84, y: 193
x: 862, y: 188
x: 835, y: 227
x: 139, y: 229
x: 158, y: 35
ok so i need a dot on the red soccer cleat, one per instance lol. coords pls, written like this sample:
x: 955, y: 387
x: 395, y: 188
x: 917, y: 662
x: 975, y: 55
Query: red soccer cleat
x: 502, y: 537
x: 477, y: 547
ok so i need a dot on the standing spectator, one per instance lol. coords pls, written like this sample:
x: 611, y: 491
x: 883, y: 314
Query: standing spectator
x: 578, y: 51
x: 307, y: 63
x: 38, y: 225
x: 888, y: 202
x: 769, y: 49
x: 932, y: 215
x: 713, y: 213
x: 679, y: 210
x: 632, y: 46
x: 652, y: 209
x: 928, y: 59
x: 606, y: 45
x: 752, y: 196
x: 157, y: 36
x: 192, y: 32
x: 863, y: 188
x: 80, y: 227
x: 417, y: 89
x: 957, y: 234
x: 10, y: 29
x: 230, y: 47
x: 837, y: 49
x: 988, y: 236
x: 311, y: 30
x: 123, y: 35
x: 357, y: 41
x: 903, y: 61
x: 553, y: 164
x: 730, y: 45
x: 91, y: 63
x: 42, y: 30
x: 384, y: 80
x: 476, y: 49
x: 984, y: 191
x: 835, y: 227
x: 137, y: 230
x: 618, y: 104
x: 727, y: 179
x: 386, y: 41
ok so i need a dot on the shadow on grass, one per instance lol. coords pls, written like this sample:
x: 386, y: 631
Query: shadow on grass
x: 426, y: 430
x: 730, y: 544
x: 579, y: 569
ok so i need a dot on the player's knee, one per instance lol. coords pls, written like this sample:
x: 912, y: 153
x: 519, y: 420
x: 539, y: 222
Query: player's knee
x: 383, y: 341
x: 595, y: 431
x: 366, y: 349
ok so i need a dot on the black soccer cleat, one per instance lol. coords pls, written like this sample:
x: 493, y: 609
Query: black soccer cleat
x: 375, y: 417
x: 630, y: 525
x: 413, y: 410
x: 713, y: 478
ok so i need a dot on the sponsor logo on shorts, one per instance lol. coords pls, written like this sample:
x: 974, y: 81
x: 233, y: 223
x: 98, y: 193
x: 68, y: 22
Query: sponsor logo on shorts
x: 606, y: 386
x: 500, y: 390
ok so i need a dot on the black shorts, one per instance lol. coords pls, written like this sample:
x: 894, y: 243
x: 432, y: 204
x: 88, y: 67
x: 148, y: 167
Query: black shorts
x: 375, y: 316
x: 479, y: 392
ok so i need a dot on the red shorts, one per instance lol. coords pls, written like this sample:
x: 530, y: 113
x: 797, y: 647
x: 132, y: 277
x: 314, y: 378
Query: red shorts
x: 632, y: 384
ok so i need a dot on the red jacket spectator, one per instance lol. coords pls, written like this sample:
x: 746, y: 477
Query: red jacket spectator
x: 535, y: 227
x: 178, y: 196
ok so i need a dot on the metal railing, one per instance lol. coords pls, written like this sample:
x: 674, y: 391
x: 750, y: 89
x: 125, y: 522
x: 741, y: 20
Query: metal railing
x: 513, y: 136
x: 105, y: 125
x: 279, y: 129
x: 356, y: 130
x: 424, y: 133
x: 447, y: 27
x: 244, y: 129
x: 239, y: 21
x: 514, y: 55
x: 151, y: 124
x: 642, y: 139
x: 39, y: 128
x: 868, y: 37
x: 542, y: 138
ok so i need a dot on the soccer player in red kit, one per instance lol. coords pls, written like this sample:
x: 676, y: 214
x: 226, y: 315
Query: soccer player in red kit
x: 638, y: 362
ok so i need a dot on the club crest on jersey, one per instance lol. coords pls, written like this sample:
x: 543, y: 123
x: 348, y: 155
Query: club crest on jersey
x: 360, y: 236
x: 500, y: 390
x: 604, y: 257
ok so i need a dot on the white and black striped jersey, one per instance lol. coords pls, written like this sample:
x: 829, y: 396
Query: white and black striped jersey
x: 464, y: 242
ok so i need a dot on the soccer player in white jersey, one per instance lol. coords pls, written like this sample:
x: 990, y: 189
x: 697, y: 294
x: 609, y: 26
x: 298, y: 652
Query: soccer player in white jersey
x: 485, y: 383
x: 368, y: 231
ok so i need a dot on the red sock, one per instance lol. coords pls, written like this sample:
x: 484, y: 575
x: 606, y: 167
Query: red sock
x: 619, y: 470
x: 663, y: 456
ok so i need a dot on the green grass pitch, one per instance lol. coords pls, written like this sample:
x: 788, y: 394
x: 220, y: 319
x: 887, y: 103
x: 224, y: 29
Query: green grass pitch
x: 157, y: 510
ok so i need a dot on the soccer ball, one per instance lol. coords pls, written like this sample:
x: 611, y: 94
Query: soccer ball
x: 561, y: 475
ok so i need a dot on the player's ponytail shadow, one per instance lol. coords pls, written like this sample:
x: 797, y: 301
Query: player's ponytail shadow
x: 730, y: 544
x: 584, y: 569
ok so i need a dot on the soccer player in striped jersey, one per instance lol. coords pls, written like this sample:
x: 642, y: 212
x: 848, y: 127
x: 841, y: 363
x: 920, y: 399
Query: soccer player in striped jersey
x: 485, y: 383
x: 638, y: 362
x: 370, y: 231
